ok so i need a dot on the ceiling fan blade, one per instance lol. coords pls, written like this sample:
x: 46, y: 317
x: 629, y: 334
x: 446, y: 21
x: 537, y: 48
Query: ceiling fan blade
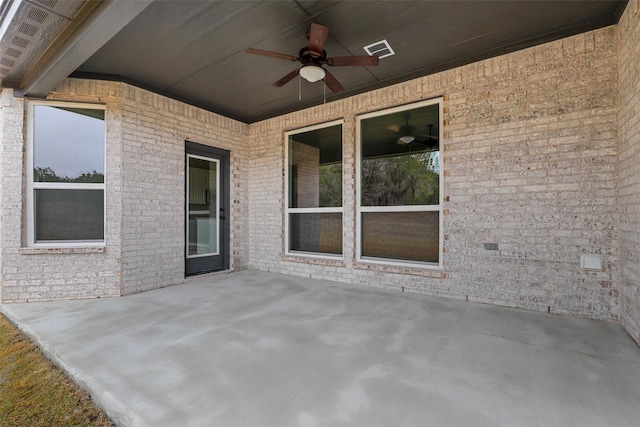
x: 332, y: 83
x: 286, y: 79
x: 317, y: 38
x: 346, y: 61
x: 430, y: 144
x: 271, y: 54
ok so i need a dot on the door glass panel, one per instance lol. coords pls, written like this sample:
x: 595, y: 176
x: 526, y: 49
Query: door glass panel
x: 203, y: 226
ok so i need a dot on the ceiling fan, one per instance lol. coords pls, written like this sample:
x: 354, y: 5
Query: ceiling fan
x: 313, y: 57
x: 407, y: 135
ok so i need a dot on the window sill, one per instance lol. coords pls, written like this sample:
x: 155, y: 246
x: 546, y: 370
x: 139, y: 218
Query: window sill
x: 425, y: 271
x: 62, y: 251
x: 314, y: 259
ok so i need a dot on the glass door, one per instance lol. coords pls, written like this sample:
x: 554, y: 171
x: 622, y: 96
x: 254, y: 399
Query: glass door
x: 203, y: 225
x: 206, y: 192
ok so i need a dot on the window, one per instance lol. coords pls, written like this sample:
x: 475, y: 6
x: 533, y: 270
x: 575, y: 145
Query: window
x: 65, y: 160
x: 314, y: 196
x: 399, y: 208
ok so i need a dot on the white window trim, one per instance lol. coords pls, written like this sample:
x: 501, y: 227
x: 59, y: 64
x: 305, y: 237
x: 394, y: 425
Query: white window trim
x: 32, y: 186
x: 411, y: 208
x: 288, y: 210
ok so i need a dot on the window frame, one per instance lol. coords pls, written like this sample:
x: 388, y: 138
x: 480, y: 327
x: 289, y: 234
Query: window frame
x: 32, y: 186
x: 288, y: 210
x: 406, y: 208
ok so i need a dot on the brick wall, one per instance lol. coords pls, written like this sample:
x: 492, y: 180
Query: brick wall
x: 10, y: 177
x: 530, y: 152
x: 47, y: 274
x: 529, y: 161
x: 628, y: 32
x: 155, y: 129
x: 145, y: 213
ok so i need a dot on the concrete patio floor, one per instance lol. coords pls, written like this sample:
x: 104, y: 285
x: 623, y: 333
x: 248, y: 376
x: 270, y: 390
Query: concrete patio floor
x: 259, y: 349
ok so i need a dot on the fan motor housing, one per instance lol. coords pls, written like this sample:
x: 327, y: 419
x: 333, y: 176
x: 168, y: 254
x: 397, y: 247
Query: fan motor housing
x: 307, y: 57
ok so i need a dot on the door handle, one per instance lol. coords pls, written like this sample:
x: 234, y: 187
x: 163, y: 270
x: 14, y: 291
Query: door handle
x: 223, y: 217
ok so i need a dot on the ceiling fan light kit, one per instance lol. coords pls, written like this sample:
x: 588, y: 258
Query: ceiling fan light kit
x: 313, y: 57
x: 408, y: 135
x: 312, y: 73
x: 406, y: 139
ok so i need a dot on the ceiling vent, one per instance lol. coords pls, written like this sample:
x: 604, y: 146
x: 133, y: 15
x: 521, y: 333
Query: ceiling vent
x: 382, y: 49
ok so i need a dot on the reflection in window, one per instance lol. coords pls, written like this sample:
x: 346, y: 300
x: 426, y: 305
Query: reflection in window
x: 68, y: 144
x: 399, y: 193
x: 411, y: 236
x: 400, y: 180
x: 66, y: 189
x: 316, y: 232
x: 314, y: 206
x: 69, y: 214
x: 203, y: 225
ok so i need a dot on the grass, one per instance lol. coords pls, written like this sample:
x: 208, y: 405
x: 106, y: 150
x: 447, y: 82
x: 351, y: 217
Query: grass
x: 34, y: 393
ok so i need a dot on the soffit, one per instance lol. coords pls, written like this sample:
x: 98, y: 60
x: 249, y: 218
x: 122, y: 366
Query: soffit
x: 28, y: 28
x: 195, y: 50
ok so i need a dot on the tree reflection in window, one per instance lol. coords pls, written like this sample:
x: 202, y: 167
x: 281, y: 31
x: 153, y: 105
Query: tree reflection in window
x: 400, y: 180
x: 66, y: 195
x: 46, y: 174
x: 399, y: 210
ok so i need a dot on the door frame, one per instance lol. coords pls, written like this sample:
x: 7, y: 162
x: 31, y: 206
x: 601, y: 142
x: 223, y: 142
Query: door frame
x: 206, y: 151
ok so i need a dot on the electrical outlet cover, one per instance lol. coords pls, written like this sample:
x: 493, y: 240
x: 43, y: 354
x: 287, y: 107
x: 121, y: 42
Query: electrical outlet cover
x: 591, y: 262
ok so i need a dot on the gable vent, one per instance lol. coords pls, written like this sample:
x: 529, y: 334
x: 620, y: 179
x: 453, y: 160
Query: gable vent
x: 381, y: 48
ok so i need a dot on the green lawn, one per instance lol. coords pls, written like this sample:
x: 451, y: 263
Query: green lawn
x: 35, y: 393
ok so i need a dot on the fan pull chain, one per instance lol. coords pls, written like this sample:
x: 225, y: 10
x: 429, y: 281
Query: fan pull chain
x: 299, y: 87
x: 324, y: 86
